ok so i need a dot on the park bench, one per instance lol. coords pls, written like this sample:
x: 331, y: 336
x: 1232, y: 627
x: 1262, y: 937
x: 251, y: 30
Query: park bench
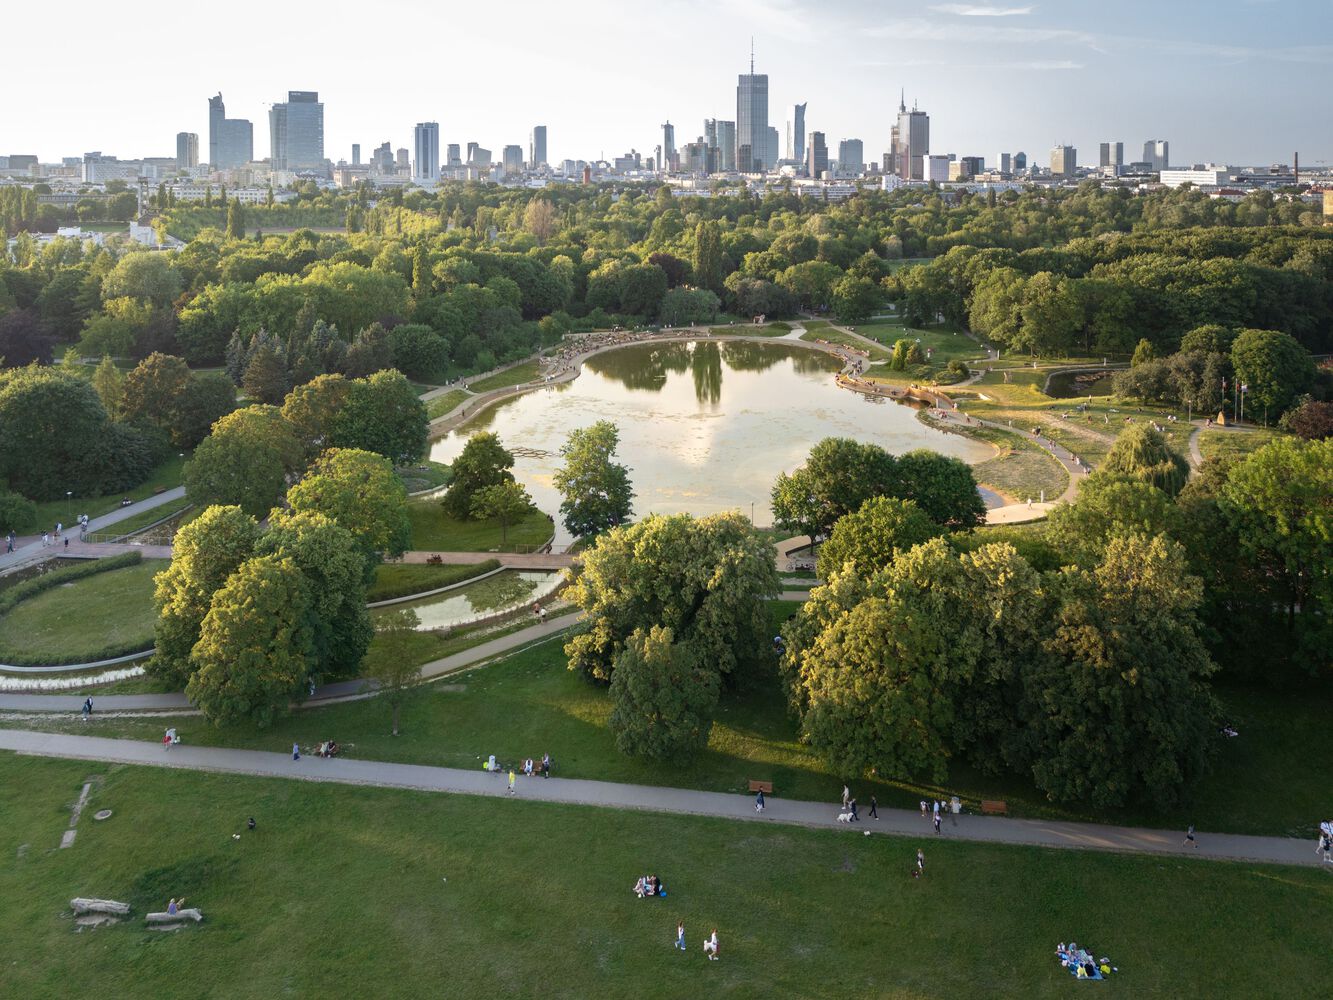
x: 761, y: 786
x: 159, y: 489
x: 180, y: 916
x: 994, y: 807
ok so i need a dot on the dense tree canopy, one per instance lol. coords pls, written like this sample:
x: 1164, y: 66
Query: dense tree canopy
x: 595, y: 489
x: 359, y: 491
x: 483, y: 462
x: 245, y: 461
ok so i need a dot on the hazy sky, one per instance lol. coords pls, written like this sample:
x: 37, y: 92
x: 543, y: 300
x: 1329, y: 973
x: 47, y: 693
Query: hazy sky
x: 1237, y: 81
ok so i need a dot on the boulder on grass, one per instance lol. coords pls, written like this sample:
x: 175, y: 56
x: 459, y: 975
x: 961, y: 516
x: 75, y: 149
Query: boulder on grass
x: 175, y: 918
x: 82, y: 906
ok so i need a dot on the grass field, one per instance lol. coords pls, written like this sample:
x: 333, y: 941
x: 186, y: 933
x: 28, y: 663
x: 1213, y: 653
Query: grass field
x: 945, y: 345
x: 399, y: 579
x: 520, y: 373
x: 775, y: 329
x: 832, y: 336
x: 360, y: 892
x: 433, y: 530
x: 425, y: 476
x: 441, y: 405
x: 167, y: 476
x: 1268, y: 780
x: 140, y: 521
x: 107, y: 609
x: 1019, y: 470
x: 1234, y: 443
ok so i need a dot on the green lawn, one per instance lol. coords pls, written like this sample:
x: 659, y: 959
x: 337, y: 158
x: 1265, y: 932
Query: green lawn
x: 167, y: 476
x: 945, y: 345
x: 1234, y: 443
x: 425, y: 476
x: 85, y: 616
x: 400, y: 579
x: 1267, y: 781
x: 348, y: 891
x: 775, y: 329
x: 1019, y: 470
x: 517, y: 375
x: 433, y: 530
x: 441, y: 405
x: 833, y: 336
x: 140, y: 521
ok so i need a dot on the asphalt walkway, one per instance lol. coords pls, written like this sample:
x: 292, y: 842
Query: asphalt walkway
x: 605, y: 794
x: 32, y: 549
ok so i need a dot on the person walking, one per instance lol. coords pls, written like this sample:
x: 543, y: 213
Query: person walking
x: 546, y: 765
x: 874, y: 808
x: 710, y: 946
x: 846, y: 795
x: 759, y: 801
x: 920, y: 862
x: 852, y: 806
x: 1189, y: 837
x: 680, y: 935
x: 296, y: 751
x: 936, y: 812
x: 937, y: 824
x: 511, y: 781
x: 87, y: 709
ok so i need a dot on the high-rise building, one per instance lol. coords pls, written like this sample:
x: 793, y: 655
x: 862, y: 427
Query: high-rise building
x: 816, y: 156
x: 187, y: 150
x: 1064, y: 161
x: 231, y: 141
x: 537, y: 147
x: 1157, y: 154
x: 970, y: 166
x: 1111, y: 154
x: 935, y: 168
x: 720, y: 137
x: 669, y: 161
x: 478, y: 156
x: 913, y: 142
x: 851, y: 157
x: 511, y: 157
x: 454, y: 157
x: 1004, y: 163
x: 296, y: 131
x: 382, y: 159
x: 426, y: 164
x: 1020, y: 162
x: 403, y: 158
x: 796, y: 133
x: 752, y: 139
x: 356, y: 154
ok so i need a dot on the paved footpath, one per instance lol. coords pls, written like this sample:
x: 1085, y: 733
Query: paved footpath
x: 32, y: 549
x: 986, y: 829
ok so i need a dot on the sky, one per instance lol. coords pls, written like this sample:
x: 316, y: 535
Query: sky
x: 1239, y: 82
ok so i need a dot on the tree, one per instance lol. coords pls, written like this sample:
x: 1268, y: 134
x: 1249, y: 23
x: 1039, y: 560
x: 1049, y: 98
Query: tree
x: 394, y: 669
x: 839, y: 475
x: 359, y: 491
x: 855, y: 299
x: 483, y: 462
x: 1143, y: 352
x: 418, y: 351
x: 312, y: 408
x: 707, y: 256
x: 154, y: 388
x: 642, y: 287
x: 1108, y: 507
x: 704, y: 579
x: 686, y: 306
x: 382, y: 414
x: 505, y: 502
x: 1120, y: 709
x: 595, y: 489
x: 943, y: 487
x: 255, y: 644
x: 1312, y: 419
x: 209, y: 397
x: 50, y: 424
x: 235, y: 220
x: 539, y: 218
x: 17, y: 513
x: 109, y: 384
x: 869, y: 538
x: 146, y: 276
x: 335, y: 568
x: 1142, y: 454
x: 662, y: 700
x: 1274, y: 365
x: 205, y: 552
x: 265, y: 379
x: 24, y: 339
x: 244, y: 461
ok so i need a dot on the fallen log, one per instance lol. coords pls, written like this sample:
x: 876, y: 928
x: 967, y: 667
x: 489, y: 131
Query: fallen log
x: 82, y: 906
x: 174, y: 918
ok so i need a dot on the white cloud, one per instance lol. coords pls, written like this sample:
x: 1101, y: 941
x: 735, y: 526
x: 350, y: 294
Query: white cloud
x: 977, y: 10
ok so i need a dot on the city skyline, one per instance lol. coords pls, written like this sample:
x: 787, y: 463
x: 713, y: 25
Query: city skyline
x: 992, y: 78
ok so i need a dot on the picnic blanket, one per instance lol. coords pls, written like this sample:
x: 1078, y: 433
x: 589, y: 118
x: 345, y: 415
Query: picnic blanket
x: 1076, y: 959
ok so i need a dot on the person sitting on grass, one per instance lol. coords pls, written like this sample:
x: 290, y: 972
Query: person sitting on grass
x: 641, y: 887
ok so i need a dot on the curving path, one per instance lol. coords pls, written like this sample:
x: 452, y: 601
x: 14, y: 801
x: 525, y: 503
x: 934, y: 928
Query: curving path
x: 32, y: 550
x: 605, y: 794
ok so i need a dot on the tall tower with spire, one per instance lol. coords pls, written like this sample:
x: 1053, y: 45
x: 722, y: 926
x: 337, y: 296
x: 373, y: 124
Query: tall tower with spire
x: 911, y: 142
x: 753, y: 154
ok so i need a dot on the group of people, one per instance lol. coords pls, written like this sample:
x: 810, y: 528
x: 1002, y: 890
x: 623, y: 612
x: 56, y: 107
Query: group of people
x: 1081, y: 962
x: 710, y: 942
x: 329, y: 748
x: 932, y: 810
x: 849, y: 807
x: 1324, y: 849
x: 170, y: 739
x: 649, y: 885
x: 544, y: 768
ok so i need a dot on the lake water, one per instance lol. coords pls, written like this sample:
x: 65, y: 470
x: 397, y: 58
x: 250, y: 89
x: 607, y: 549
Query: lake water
x: 704, y: 426
x: 494, y: 595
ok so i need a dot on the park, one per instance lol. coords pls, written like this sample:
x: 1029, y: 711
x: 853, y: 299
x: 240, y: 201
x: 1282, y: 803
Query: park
x: 905, y: 545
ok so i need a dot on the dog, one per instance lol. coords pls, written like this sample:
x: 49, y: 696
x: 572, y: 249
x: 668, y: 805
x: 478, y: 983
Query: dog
x: 845, y: 817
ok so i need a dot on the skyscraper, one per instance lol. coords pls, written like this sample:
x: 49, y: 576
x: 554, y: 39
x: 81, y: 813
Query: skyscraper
x: 537, y: 147
x: 455, y: 155
x: 356, y: 154
x: 851, y: 157
x: 752, y: 141
x: 1064, y: 161
x: 668, y: 147
x: 796, y: 133
x: 816, y: 158
x: 296, y: 131
x: 231, y: 141
x: 512, y: 159
x: 426, y: 164
x: 913, y: 142
x: 1020, y: 162
x: 1157, y: 153
x: 1111, y: 154
x: 1003, y: 163
x: 187, y: 150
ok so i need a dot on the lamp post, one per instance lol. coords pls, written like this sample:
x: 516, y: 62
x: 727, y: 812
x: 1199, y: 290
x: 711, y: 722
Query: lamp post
x: 69, y: 499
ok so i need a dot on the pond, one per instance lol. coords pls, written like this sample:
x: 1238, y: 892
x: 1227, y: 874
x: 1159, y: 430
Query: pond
x: 1085, y: 382
x: 704, y: 426
x: 494, y: 595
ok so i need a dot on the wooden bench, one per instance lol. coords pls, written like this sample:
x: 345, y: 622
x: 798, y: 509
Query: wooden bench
x: 761, y: 786
x: 994, y: 807
x: 159, y: 489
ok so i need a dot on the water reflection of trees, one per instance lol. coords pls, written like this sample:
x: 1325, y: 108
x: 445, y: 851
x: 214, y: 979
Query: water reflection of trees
x: 643, y: 368
x: 706, y: 367
x: 746, y: 356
